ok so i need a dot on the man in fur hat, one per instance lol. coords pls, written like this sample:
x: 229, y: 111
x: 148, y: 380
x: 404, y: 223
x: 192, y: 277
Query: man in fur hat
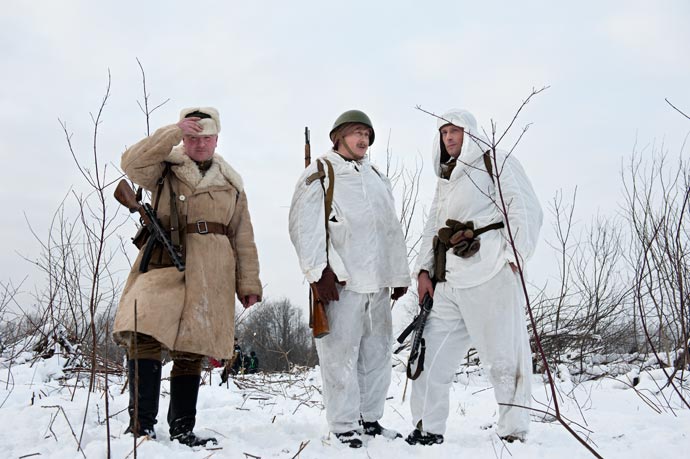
x: 190, y: 313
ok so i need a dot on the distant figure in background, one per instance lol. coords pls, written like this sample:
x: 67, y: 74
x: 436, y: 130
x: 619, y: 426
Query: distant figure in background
x: 253, y: 363
x: 190, y: 313
x: 467, y: 265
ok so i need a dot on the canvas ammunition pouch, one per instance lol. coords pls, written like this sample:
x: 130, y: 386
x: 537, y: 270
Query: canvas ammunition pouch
x: 462, y: 237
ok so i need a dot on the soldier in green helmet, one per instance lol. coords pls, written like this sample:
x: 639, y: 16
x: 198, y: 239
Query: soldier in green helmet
x: 356, y: 263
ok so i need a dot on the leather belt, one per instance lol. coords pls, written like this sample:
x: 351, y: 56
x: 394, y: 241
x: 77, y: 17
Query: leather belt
x: 204, y: 227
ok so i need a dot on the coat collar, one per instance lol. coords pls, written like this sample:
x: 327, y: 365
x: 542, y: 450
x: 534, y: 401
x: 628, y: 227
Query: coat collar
x: 472, y: 150
x: 340, y: 162
x: 219, y: 174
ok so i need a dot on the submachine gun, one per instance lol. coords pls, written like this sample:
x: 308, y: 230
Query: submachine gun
x: 126, y: 196
x: 418, y: 345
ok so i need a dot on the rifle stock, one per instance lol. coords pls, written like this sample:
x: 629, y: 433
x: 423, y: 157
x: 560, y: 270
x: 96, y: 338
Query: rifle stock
x: 318, y: 321
x: 126, y: 196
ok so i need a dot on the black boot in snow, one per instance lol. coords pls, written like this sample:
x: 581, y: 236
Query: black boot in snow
x: 352, y: 438
x: 374, y: 428
x: 418, y: 437
x: 184, y: 391
x: 513, y: 438
x: 144, y: 380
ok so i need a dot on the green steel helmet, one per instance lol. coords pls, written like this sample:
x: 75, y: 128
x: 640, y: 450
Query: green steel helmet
x: 353, y: 116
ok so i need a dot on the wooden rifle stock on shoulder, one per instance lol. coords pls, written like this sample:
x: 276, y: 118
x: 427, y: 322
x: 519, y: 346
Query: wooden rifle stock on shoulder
x: 318, y: 321
x: 126, y: 196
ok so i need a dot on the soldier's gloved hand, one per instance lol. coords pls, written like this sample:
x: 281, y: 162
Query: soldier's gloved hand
x: 444, y: 235
x: 325, y: 287
x: 455, y: 232
x: 453, y: 224
x: 249, y: 300
x: 398, y: 292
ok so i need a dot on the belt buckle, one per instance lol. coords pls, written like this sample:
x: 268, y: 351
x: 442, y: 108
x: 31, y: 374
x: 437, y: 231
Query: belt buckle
x: 202, y: 229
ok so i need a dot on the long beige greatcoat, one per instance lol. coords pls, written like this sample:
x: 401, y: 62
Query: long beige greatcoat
x: 190, y: 311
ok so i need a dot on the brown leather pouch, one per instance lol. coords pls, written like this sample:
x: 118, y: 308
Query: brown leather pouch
x: 141, y: 237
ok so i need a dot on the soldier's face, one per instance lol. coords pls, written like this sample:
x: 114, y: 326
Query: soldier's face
x: 357, y: 141
x: 452, y: 137
x: 200, y: 147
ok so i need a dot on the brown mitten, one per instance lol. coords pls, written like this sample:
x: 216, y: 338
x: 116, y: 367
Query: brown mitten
x: 325, y: 287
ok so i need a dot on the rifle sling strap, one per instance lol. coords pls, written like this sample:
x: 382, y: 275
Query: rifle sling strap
x: 420, y: 363
x: 315, y: 176
x: 159, y: 186
x: 174, y: 217
x: 405, y: 333
x: 327, y: 192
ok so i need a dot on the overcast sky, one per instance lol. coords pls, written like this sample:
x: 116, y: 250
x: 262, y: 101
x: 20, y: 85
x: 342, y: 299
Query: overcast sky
x: 273, y: 67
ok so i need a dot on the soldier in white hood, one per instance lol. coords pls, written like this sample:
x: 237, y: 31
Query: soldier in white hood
x: 356, y: 266
x: 477, y: 296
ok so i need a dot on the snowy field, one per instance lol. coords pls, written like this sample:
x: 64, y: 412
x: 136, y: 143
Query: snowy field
x: 273, y: 416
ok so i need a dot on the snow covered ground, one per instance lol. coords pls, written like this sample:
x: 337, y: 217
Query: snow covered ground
x: 272, y: 416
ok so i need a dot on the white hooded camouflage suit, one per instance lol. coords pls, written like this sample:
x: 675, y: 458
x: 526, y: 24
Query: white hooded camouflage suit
x: 481, y: 304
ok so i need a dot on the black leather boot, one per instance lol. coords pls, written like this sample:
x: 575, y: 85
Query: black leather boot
x: 184, y: 391
x: 144, y: 380
x: 374, y: 428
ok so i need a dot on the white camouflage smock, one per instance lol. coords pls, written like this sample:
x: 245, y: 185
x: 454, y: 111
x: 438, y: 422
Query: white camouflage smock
x: 481, y: 304
x: 366, y: 250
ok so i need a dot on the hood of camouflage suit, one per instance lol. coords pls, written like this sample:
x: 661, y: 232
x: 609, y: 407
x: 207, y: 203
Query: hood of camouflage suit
x: 473, y: 144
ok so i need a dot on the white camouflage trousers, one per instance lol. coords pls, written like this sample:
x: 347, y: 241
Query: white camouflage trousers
x: 355, y: 358
x: 489, y: 317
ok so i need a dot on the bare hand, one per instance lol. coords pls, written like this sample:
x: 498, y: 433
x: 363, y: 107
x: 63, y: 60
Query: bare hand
x: 190, y: 126
x: 249, y: 300
x: 424, y: 285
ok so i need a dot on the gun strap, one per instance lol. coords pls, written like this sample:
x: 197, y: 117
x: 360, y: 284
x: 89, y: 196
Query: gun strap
x: 174, y: 217
x: 420, y: 363
x: 327, y: 193
x: 320, y: 174
x: 159, y: 186
x: 405, y: 333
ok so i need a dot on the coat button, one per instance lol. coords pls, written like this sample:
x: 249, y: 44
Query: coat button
x: 182, y: 198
